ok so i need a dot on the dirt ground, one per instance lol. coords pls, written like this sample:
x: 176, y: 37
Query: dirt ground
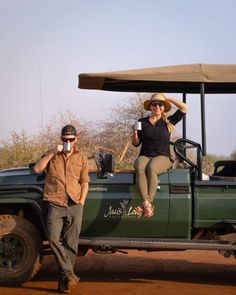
x: 141, y: 273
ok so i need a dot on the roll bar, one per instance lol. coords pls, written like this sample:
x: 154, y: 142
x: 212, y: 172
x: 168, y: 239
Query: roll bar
x: 180, y: 147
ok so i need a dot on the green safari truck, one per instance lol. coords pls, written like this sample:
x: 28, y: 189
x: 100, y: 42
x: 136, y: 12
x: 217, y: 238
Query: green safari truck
x: 190, y: 212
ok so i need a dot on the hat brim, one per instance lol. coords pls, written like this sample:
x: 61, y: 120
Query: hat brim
x: 148, y: 102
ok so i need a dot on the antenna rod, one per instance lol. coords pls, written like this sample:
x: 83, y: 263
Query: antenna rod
x: 41, y: 96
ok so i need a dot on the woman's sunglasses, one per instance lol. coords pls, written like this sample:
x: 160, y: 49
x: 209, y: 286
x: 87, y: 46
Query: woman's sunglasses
x: 160, y: 104
x: 68, y: 139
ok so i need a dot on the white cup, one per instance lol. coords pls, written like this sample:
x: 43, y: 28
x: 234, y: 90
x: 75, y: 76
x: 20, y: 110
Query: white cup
x: 138, y: 125
x: 67, y: 147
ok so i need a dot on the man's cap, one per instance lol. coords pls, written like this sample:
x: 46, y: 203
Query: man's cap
x: 68, y: 130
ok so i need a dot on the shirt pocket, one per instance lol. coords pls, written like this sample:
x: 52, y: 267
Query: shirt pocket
x: 50, y: 190
x: 76, y: 170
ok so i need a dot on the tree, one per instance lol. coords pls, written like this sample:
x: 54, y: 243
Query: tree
x: 115, y: 134
x: 21, y: 150
x: 111, y: 136
x: 18, y: 152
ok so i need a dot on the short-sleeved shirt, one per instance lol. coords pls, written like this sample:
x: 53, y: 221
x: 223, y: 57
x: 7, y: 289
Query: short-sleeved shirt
x: 64, y: 177
x: 155, y: 140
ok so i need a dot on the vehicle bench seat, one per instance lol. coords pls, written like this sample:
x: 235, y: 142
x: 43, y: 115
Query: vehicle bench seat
x: 224, y: 170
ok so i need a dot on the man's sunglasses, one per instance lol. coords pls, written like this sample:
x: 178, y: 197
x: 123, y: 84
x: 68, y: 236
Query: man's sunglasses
x: 155, y: 104
x: 68, y: 139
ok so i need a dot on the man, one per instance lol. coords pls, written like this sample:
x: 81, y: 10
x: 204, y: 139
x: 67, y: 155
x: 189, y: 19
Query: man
x: 65, y: 191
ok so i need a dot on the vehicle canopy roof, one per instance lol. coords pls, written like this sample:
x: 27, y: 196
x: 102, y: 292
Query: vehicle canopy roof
x: 190, y: 78
x: 217, y: 78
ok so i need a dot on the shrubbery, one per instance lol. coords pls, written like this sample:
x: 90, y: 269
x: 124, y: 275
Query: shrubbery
x: 114, y: 136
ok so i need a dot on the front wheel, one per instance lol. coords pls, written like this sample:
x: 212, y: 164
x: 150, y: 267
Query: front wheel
x: 20, y: 250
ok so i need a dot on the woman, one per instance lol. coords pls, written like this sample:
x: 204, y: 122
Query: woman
x: 154, y: 138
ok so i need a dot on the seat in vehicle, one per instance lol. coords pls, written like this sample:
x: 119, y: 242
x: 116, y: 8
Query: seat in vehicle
x: 224, y: 170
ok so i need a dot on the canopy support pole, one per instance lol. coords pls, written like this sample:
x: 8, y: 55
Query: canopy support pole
x: 203, y: 120
x: 184, y: 119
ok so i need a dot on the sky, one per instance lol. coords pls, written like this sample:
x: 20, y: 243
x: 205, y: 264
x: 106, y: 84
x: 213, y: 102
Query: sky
x: 45, y: 44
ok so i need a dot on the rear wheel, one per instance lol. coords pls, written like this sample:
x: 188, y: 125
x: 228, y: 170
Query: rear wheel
x: 20, y: 250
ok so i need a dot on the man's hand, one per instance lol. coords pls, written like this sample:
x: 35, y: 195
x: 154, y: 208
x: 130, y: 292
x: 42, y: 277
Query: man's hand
x: 84, y: 192
x: 59, y: 148
x: 42, y: 163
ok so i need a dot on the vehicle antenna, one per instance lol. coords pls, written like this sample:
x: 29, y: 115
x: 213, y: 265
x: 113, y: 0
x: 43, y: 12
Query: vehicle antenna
x: 40, y: 94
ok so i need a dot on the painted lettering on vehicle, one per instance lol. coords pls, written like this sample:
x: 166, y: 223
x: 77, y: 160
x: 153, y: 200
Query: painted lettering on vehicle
x: 122, y: 211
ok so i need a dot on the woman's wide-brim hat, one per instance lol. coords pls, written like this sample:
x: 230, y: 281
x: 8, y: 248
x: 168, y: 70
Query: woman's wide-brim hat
x: 157, y: 97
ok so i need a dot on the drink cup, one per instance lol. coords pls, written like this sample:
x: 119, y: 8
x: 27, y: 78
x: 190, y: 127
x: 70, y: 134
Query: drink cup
x: 66, y: 147
x: 138, y: 125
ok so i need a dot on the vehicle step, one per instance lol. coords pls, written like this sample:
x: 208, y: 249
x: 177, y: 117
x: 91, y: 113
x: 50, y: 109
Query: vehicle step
x: 151, y: 243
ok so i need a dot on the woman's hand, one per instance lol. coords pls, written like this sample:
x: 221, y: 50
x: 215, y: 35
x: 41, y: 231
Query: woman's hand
x: 135, y: 139
x: 183, y: 107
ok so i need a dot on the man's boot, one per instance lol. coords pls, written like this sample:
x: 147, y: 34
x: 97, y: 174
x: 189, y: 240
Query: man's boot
x: 63, y: 285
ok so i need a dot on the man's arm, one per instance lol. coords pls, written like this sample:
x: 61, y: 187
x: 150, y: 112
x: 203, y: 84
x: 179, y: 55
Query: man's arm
x: 84, y: 180
x: 42, y: 163
x: 84, y: 192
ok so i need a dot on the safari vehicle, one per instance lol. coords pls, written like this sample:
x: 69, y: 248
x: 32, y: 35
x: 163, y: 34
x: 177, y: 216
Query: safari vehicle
x: 190, y: 213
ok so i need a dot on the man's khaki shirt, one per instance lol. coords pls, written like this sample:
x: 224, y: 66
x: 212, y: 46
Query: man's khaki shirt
x: 64, y: 177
